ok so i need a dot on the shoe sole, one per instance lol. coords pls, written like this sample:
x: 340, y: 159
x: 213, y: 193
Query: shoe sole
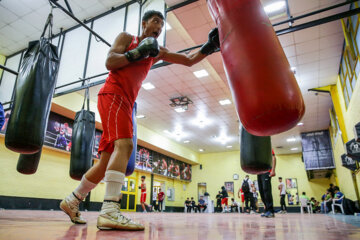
x: 66, y: 209
x: 118, y: 229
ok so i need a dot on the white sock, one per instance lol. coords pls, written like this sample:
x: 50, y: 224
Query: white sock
x: 84, y: 188
x: 114, y: 181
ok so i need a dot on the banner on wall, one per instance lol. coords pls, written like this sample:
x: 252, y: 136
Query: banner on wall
x: 317, y: 150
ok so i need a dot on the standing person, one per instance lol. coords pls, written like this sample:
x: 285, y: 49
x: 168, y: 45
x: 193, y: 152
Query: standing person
x: 242, y: 197
x: 297, y: 199
x: 256, y: 196
x: 224, y: 199
x: 154, y: 200
x: 264, y: 181
x: 218, y: 202
x: 188, y: 205
x: 161, y: 197
x: 143, y: 195
x: 129, y: 61
x: 247, y: 186
x: 282, y: 190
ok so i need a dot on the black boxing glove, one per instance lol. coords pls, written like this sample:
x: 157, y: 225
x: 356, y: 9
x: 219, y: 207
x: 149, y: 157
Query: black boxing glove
x: 212, y: 44
x: 147, y: 47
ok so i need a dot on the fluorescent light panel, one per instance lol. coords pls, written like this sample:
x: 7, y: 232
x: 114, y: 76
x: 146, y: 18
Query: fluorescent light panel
x: 291, y: 139
x: 300, y: 124
x: 201, y: 150
x: 276, y: 6
x: 168, y: 27
x: 225, y: 102
x: 201, y: 73
x: 140, y: 116
x: 294, y: 149
x: 179, y: 109
x: 228, y: 146
x: 186, y: 141
x: 148, y: 86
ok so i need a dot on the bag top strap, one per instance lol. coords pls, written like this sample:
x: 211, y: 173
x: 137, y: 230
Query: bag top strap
x: 87, y: 99
x: 49, y: 23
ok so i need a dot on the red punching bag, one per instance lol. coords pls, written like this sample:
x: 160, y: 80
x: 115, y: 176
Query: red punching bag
x: 266, y: 95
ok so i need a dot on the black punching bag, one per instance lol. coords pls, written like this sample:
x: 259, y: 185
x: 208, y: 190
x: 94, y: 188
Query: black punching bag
x: 82, y: 141
x: 255, y: 153
x: 33, y: 93
x: 28, y: 163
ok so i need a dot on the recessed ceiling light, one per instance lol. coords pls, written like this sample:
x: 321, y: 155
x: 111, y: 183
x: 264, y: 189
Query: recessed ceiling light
x: 168, y: 27
x: 293, y: 69
x: 186, y: 141
x: 291, y: 139
x: 225, y: 102
x: 201, y: 73
x: 294, y: 149
x: 148, y: 86
x: 201, y: 150
x: 300, y: 124
x: 276, y: 6
x: 167, y: 131
x: 140, y: 116
x: 179, y: 109
x: 228, y: 146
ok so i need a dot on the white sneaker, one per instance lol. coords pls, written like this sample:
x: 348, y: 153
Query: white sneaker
x: 252, y: 212
x: 70, y: 205
x: 111, y: 218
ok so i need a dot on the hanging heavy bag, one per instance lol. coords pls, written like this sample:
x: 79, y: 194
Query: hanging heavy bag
x: 267, y: 97
x: 33, y: 93
x: 28, y: 163
x: 131, y: 164
x: 255, y: 153
x: 82, y: 140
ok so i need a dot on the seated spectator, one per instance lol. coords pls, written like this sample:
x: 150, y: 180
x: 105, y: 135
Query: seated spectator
x: 337, y: 195
x: 305, y: 197
x: 218, y: 203
x: 193, y: 204
x: 188, y: 205
x: 326, y: 198
x: 202, y: 204
x: 234, y: 205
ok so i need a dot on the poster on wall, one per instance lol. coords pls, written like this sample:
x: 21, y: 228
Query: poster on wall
x: 173, y: 168
x: 96, y: 154
x: 7, y: 116
x: 185, y: 171
x: 143, y: 159
x: 229, y: 186
x: 58, y: 132
x: 292, y: 191
x: 317, y: 150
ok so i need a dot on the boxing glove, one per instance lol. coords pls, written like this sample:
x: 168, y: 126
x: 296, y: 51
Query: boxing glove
x: 147, y: 47
x: 212, y: 44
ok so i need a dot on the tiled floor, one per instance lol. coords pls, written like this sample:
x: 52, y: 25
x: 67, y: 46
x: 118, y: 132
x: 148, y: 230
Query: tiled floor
x: 55, y: 225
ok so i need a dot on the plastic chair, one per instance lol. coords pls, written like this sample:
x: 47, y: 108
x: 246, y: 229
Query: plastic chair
x: 305, y: 203
x: 338, y: 204
x: 325, y: 204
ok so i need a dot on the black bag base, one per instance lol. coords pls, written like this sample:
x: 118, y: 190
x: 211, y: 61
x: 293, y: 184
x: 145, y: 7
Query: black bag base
x: 28, y: 163
x: 23, y: 148
x: 256, y: 169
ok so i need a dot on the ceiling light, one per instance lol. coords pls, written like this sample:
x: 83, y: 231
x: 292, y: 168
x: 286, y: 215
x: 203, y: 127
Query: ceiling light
x: 201, y: 150
x: 300, y: 124
x: 293, y: 69
x: 225, y: 102
x: 201, y: 73
x: 148, y: 86
x: 186, y: 141
x: 276, y: 6
x: 140, y: 116
x: 294, y: 149
x: 228, y: 146
x: 167, y: 131
x: 168, y: 27
x: 180, y: 109
x: 291, y: 139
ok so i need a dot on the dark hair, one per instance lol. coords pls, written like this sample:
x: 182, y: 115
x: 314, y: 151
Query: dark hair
x: 143, y: 177
x: 222, y: 187
x: 331, y: 185
x: 232, y: 199
x: 304, y: 193
x: 149, y: 14
x: 336, y: 188
x: 280, y: 178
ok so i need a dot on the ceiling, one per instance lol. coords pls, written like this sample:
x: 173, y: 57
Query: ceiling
x: 315, y: 52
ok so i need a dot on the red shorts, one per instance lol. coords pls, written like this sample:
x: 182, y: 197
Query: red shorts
x: 242, y: 198
x: 224, y: 201
x: 143, y: 197
x: 116, y: 118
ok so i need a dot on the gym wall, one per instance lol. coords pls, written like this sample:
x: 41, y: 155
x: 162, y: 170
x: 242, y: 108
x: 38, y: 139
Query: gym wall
x: 218, y: 168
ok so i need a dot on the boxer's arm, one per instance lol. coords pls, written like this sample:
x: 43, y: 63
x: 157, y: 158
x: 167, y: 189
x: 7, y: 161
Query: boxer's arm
x: 180, y: 58
x: 116, y: 57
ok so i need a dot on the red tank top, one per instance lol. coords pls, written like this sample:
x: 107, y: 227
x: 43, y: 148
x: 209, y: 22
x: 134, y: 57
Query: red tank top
x: 143, y: 190
x: 126, y: 81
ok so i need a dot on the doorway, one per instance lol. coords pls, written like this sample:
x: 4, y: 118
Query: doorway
x: 201, y: 189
